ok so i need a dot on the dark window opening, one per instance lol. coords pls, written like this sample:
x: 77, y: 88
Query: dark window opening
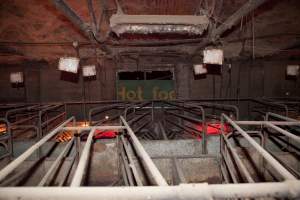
x: 147, y: 75
x: 159, y: 75
x: 138, y: 75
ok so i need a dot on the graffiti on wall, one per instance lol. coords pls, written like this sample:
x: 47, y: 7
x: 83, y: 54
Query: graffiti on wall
x: 139, y: 90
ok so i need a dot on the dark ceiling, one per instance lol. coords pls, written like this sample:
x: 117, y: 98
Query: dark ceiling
x: 37, y: 30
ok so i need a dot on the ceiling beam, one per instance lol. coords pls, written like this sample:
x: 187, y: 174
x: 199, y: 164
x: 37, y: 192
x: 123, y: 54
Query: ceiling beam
x: 78, y: 22
x: 231, y: 21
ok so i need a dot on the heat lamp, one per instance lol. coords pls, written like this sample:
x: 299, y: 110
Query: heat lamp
x: 69, y: 64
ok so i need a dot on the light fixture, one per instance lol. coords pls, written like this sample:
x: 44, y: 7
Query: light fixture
x: 106, y: 117
x: 199, y: 69
x: 213, y: 56
x: 89, y: 70
x: 292, y: 70
x: 68, y: 64
x: 16, y: 77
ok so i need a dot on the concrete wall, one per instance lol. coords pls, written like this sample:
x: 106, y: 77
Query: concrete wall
x: 44, y: 83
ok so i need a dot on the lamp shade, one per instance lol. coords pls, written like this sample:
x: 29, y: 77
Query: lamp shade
x: 292, y: 70
x: 16, y: 77
x: 68, y: 64
x: 89, y: 70
x: 199, y: 69
x: 213, y: 56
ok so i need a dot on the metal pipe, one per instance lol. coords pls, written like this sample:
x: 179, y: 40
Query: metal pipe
x: 270, y: 114
x: 238, y: 161
x: 284, y: 132
x: 53, y: 119
x: 87, y: 128
x: 272, y: 161
x: 14, y: 164
x: 138, y: 117
x: 56, y: 162
x: 131, y: 163
x: 148, y: 163
x: 67, y: 171
x: 288, y: 189
x: 260, y: 123
x: 127, y: 169
x: 78, y: 175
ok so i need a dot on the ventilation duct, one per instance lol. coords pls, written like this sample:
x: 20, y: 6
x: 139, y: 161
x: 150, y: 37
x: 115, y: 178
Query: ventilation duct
x: 158, y: 24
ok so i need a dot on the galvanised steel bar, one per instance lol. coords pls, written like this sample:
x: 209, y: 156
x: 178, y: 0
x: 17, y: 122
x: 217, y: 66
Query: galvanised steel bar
x: 287, y: 189
x: 274, y: 115
x: 229, y: 166
x: 238, y: 161
x: 272, y: 161
x: 14, y: 164
x: 135, y: 106
x: 278, y: 105
x: 19, y: 175
x: 125, y: 178
x: 56, y: 163
x: 272, y: 124
x: 87, y: 128
x: 138, y: 117
x: 131, y: 162
x: 80, y: 170
x: 283, y: 132
x: 154, y: 173
x: 291, y: 169
x: 216, y: 105
x: 260, y: 123
x: 23, y: 120
x: 202, y: 121
x: 185, y: 128
x: 28, y: 108
x: 142, y: 126
x: 53, y: 119
x: 127, y: 169
x: 97, y: 110
x: 67, y: 171
x: 40, y: 114
x: 193, y: 119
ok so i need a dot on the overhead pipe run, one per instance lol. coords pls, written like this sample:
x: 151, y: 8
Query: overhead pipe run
x: 158, y: 24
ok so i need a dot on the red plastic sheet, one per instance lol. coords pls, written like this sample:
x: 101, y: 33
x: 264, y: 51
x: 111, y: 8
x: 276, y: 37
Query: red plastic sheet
x: 214, y: 128
x: 104, y: 134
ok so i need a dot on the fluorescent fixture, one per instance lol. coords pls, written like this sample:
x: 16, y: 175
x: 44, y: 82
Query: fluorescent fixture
x: 68, y: 64
x: 213, y: 56
x: 200, y: 69
x: 16, y: 77
x: 89, y: 70
x: 292, y: 70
